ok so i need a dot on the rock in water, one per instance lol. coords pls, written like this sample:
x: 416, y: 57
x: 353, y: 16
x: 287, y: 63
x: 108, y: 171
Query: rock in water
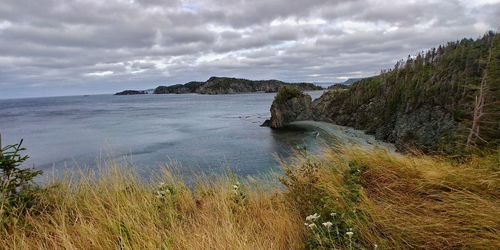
x: 289, y: 105
x: 266, y: 123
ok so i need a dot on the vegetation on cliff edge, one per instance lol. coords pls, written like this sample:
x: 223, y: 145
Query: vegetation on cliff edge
x: 286, y: 93
x: 445, y: 99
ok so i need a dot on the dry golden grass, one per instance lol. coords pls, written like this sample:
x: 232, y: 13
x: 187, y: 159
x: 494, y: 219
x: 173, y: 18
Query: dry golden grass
x: 428, y: 202
x: 117, y: 210
x: 386, y: 200
x: 400, y: 202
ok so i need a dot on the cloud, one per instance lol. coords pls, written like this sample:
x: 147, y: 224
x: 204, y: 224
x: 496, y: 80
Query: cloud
x: 100, y: 73
x: 72, y: 46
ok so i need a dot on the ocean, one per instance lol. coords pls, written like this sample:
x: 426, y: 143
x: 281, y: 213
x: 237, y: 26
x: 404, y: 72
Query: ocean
x: 207, y: 133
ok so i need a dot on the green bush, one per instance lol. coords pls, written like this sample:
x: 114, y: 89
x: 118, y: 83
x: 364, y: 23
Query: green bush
x: 18, y: 191
x: 286, y: 93
x: 330, y: 222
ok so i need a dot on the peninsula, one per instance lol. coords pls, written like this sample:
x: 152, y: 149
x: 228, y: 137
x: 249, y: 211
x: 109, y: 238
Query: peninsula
x: 225, y: 85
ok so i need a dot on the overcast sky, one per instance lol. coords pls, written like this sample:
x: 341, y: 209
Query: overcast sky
x: 69, y: 47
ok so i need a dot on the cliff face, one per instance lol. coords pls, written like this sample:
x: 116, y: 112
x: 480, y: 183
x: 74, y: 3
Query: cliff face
x: 427, y: 102
x: 427, y: 127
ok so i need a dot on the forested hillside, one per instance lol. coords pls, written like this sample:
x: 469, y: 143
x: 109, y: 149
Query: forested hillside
x: 444, y: 99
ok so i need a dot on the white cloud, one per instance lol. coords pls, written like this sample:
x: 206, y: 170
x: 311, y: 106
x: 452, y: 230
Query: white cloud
x: 5, y: 25
x: 100, y: 73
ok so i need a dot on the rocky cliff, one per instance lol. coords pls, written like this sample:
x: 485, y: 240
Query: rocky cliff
x: 429, y: 102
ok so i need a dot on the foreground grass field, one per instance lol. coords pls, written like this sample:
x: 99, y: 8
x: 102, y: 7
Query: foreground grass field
x: 348, y: 198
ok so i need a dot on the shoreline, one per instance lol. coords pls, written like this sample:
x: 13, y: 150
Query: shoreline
x: 347, y: 135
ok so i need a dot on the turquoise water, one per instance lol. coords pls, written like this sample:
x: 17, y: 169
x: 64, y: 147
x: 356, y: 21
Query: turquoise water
x: 197, y: 132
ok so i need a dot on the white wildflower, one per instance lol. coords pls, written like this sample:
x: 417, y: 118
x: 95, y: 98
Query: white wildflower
x: 375, y: 246
x: 235, y: 187
x: 333, y: 214
x: 312, y: 217
x: 349, y: 234
x: 312, y: 225
x: 327, y: 224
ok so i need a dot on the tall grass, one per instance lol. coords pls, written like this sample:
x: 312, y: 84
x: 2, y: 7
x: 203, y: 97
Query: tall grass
x: 397, y: 202
x: 117, y: 210
x: 373, y: 199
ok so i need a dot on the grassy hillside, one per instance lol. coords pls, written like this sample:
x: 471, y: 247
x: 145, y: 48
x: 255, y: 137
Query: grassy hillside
x: 427, y: 101
x: 347, y: 198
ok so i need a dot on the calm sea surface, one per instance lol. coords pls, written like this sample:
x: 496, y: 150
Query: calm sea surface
x: 198, y: 132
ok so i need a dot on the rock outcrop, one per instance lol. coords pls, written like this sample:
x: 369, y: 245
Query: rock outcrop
x: 289, y: 105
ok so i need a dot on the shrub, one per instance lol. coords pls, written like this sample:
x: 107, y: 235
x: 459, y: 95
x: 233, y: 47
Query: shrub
x: 329, y: 216
x: 18, y: 191
x: 286, y: 93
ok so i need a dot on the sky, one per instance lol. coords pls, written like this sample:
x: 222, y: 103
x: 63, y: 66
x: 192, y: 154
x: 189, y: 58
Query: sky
x: 73, y: 47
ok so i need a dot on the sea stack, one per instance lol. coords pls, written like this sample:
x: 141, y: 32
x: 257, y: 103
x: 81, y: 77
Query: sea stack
x: 290, y: 104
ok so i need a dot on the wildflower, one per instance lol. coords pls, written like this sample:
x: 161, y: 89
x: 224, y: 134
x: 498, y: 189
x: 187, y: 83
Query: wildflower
x: 333, y: 214
x: 235, y: 187
x: 159, y: 194
x: 312, y: 225
x: 375, y: 246
x: 327, y: 224
x: 349, y: 234
x: 312, y: 217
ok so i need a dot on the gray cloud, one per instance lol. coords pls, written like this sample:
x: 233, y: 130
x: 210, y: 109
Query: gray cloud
x: 56, y: 47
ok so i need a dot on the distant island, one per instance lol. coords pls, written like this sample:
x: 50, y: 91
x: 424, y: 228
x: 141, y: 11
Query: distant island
x: 132, y: 92
x: 224, y: 85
